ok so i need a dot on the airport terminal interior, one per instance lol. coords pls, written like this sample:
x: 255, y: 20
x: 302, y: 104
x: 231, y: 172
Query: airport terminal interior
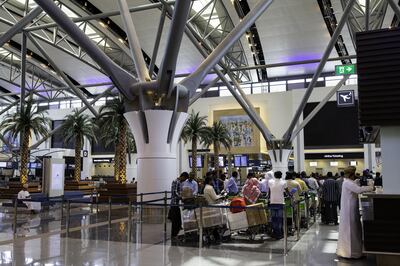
x: 199, y: 132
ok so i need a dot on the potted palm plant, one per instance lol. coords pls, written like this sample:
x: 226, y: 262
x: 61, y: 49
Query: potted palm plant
x: 23, y: 123
x: 114, y: 130
x: 76, y: 127
x: 218, y: 135
x: 196, y: 131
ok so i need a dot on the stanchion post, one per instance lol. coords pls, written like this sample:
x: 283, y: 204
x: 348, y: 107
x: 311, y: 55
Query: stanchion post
x: 62, y: 207
x: 201, y: 226
x: 109, y: 211
x: 91, y: 201
x: 315, y: 209
x: 130, y: 220
x: 15, y: 216
x: 97, y: 202
x: 298, y: 220
x: 165, y: 215
x: 307, y: 211
x: 141, y: 207
x: 285, y: 230
x: 67, y: 219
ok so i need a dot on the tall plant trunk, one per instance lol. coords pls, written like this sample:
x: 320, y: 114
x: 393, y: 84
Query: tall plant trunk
x: 78, y: 147
x: 229, y: 163
x: 122, y: 154
x: 194, y: 155
x: 24, y: 158
x: 116, y: 162
x: 216, y: 159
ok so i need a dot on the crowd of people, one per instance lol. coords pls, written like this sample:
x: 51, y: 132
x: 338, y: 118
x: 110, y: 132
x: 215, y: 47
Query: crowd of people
x: 334, y: 192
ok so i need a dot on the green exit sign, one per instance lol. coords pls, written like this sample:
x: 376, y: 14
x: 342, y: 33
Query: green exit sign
x: 345, y: 70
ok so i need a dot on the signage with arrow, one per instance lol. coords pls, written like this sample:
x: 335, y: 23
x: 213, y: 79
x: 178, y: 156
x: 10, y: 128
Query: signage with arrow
x: 345, y: 70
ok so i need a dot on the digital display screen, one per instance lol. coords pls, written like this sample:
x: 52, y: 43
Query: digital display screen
x: 313, y: 164
x: 241, y: 161
x: 221, y: 161
x: 334, y: 163
x: 199, y: 161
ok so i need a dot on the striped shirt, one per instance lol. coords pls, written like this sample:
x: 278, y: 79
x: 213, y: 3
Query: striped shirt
x: 330, y: 190
x: 175, y: 191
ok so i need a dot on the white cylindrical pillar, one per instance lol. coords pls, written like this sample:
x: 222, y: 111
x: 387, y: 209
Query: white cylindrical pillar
x: 370, y: 157
x: 390, y: 148
x: 280, y: 162
x: 156, y: 160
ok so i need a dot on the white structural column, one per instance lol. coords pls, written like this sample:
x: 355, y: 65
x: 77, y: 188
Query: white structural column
x: 370, y: 157
x: 277, y: 163
x: 156, y: 160
x: 390, y: 148
x: 299, y: 157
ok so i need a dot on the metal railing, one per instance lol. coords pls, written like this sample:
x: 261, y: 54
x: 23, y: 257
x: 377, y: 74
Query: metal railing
x: 162, y: 203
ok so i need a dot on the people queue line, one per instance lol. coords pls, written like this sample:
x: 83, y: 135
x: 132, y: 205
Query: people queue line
x: 334, y: 191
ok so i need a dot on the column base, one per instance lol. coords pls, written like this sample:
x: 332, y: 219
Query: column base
x: 280, y: 163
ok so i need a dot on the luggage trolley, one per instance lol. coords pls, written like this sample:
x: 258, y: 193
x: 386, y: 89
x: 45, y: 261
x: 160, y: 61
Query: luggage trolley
x: 214, y: 222
x: 252, y: 220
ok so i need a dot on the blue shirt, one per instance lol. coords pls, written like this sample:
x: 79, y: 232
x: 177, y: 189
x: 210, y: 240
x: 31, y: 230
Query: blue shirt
x: 192, y: 185
x: 232, y: 186
x: 215, y: 184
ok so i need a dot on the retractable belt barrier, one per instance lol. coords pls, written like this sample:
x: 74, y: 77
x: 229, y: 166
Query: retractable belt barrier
x: 132, y: 200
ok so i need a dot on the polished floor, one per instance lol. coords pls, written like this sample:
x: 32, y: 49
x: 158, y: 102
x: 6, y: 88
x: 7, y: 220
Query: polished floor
x: 41, y: 240
x: 316, y: 247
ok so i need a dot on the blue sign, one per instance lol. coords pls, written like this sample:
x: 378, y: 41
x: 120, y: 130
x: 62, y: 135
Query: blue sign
x: 345, y: 98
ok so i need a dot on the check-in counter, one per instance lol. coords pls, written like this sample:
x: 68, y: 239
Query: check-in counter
x: 381, y: 227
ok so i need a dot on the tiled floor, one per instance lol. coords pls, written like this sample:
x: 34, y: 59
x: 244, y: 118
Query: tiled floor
x: 316, y: 247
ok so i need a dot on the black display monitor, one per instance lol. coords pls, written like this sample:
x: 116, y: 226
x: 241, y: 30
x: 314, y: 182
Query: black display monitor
x: 199, y: 162
x: 241, y: 161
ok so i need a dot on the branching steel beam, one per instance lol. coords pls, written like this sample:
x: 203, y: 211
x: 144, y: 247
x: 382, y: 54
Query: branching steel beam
x: 23, y: 72
x: 157, y: 42
x: 395, y: 7
x: 193, y: 81
x: 203, y: 91
x: 318, y: 107
x: 136, y: 50
x: 288, y: 134
x: 166, y: 73
x: 17, y: 28
x: 76, y: 91
x: 34, y: 146
x: 268, y: 136
x: 102, y: 15
x: 121, y: 78
x: 293, y: 63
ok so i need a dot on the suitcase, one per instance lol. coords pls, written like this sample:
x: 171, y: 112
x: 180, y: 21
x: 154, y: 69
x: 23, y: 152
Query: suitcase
x: 211, y: 217
x: 256, y: 215
x: 237, y: 221
x: 237, y: 202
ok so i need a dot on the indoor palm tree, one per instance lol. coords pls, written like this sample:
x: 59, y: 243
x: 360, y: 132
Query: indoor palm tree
x: 115, y: 131
x: 218, y: 135
x: 24, y: 122
x: 195, y: 130
x: 77, y: 126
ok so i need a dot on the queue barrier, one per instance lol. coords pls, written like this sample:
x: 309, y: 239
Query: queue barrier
x: 289, y: 210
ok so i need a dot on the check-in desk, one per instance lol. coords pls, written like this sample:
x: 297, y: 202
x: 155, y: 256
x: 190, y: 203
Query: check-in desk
x: 381, y: 227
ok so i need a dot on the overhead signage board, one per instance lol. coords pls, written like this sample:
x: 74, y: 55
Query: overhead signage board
x: 345, y: 70
x: 345, y: 98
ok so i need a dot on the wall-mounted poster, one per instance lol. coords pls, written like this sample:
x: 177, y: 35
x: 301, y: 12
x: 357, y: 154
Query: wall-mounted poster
x: 240, y: 128
x: 244, y: 134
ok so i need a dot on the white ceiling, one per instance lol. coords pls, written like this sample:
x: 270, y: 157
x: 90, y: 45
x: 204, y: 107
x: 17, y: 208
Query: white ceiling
x: 290, y: 30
